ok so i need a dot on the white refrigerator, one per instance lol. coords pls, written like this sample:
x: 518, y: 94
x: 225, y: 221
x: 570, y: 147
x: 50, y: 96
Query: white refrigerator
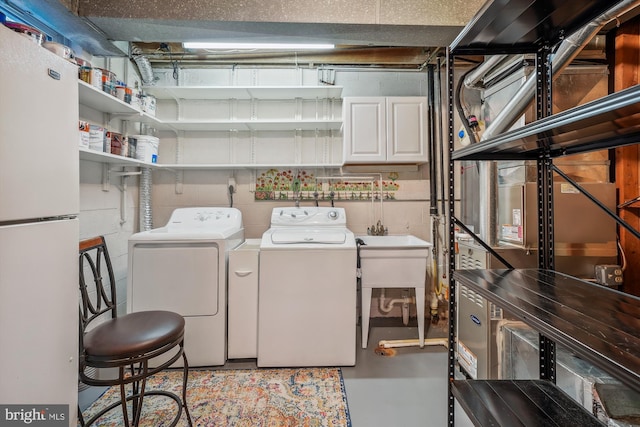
x: 39, y: 192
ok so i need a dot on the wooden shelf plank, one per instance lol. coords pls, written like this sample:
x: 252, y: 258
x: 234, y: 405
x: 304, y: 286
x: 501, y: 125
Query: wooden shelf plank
x: 249, y: 125
x: 523, y: 26
x: 102, y: 101
x: 513, y: 403
x: 597, y: 323
x: 225, y: 166
x: 608, y: 122
x: 92, y: 97
x: 244, y: 92
x: 100, y: 157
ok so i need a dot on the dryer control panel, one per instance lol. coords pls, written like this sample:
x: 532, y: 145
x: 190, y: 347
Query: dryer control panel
x: 205, y: 218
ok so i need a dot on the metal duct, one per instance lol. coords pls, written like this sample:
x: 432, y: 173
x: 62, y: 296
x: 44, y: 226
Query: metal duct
x: 566, y: 52
x: 472, y: 79
x: 146, y: 213
x: 495, y: 66
x: 144, y: 66
x: 514, y: 109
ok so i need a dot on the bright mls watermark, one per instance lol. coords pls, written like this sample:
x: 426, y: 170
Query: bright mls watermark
x: 34, y: 415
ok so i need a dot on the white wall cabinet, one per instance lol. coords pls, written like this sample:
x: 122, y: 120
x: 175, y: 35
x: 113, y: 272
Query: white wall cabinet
x: 385, y: 129
x: 365, y: 138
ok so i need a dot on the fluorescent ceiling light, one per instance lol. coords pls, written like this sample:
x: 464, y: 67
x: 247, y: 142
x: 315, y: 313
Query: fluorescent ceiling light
x: 215, y: 45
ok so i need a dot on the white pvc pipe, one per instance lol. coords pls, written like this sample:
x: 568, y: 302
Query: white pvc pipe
x: 389, y: 305
x: 434, y: 302
x: 413, y: 342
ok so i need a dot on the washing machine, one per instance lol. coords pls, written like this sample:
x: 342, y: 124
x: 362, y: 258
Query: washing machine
x: 182, y: 267
x: 307, y: 289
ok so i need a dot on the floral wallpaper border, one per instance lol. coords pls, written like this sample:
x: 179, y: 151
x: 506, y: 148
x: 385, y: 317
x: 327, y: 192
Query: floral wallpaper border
x: 274, y: 184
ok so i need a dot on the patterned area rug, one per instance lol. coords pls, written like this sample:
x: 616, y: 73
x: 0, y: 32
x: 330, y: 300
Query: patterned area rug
x: 309, y: 397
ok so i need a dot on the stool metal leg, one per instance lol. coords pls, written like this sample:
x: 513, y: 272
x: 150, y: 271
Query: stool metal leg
x: 185, y: 379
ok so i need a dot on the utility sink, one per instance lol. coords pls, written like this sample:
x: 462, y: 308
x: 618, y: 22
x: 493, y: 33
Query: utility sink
x: 393, y: 262
x: 406, y: 241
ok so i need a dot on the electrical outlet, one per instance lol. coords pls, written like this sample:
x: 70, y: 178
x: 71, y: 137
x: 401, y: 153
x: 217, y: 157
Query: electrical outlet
x: 232, y: 183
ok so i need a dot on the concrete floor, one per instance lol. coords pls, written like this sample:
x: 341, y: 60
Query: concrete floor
x: 406, y: 389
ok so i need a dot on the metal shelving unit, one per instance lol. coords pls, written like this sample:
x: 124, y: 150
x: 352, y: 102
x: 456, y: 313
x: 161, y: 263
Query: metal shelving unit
x: 180, y: 94
x: 560, y: 307
x: 244, y: 92
x: 253, y: 125
x: 101, y: 101
x: 112, y: 159
x: 94, y: 98
x: 605, y: 123
x: 295, y: 114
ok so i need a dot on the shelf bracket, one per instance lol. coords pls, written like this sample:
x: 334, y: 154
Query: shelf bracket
x: 297, y: 146
x: 628, y: 202
x: 179, y: 188
x: 253, y: 147
x: 106, y: 185
x: 108, y: 173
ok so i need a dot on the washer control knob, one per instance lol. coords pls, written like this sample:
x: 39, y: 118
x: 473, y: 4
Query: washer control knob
x: 333, y: 215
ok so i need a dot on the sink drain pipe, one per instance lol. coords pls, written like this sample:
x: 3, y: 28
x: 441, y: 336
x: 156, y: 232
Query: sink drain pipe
x: 386, y: 306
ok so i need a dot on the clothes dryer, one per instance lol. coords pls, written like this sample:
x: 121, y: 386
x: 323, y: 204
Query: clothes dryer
x: 182, y: 267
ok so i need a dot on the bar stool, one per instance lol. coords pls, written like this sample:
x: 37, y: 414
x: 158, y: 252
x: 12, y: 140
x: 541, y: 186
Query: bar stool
x: 127, y: 343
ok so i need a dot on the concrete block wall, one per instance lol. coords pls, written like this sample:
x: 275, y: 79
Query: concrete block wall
x: 209, y: 188
x: 103, y: 210
x: 100, y: 214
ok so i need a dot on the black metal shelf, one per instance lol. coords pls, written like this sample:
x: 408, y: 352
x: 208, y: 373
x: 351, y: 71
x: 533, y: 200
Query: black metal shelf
x: 608, y: 122
x: 523, y: 26
x: 520, y: 403
x: 599, y: 324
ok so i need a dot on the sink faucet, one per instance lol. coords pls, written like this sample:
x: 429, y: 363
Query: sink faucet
x: 295, y: 186
x: 377, y: 230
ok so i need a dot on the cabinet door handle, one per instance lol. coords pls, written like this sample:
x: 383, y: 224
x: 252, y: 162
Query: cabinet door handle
x: 243, y: 273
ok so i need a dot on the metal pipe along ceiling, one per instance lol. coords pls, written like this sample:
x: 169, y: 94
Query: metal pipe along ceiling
x: 566, y: 52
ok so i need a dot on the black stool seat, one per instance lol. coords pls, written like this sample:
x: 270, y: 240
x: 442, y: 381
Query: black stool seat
x: 133, y: 334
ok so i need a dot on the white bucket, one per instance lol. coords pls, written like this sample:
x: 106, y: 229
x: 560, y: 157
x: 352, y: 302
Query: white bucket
x: 147, y: 148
